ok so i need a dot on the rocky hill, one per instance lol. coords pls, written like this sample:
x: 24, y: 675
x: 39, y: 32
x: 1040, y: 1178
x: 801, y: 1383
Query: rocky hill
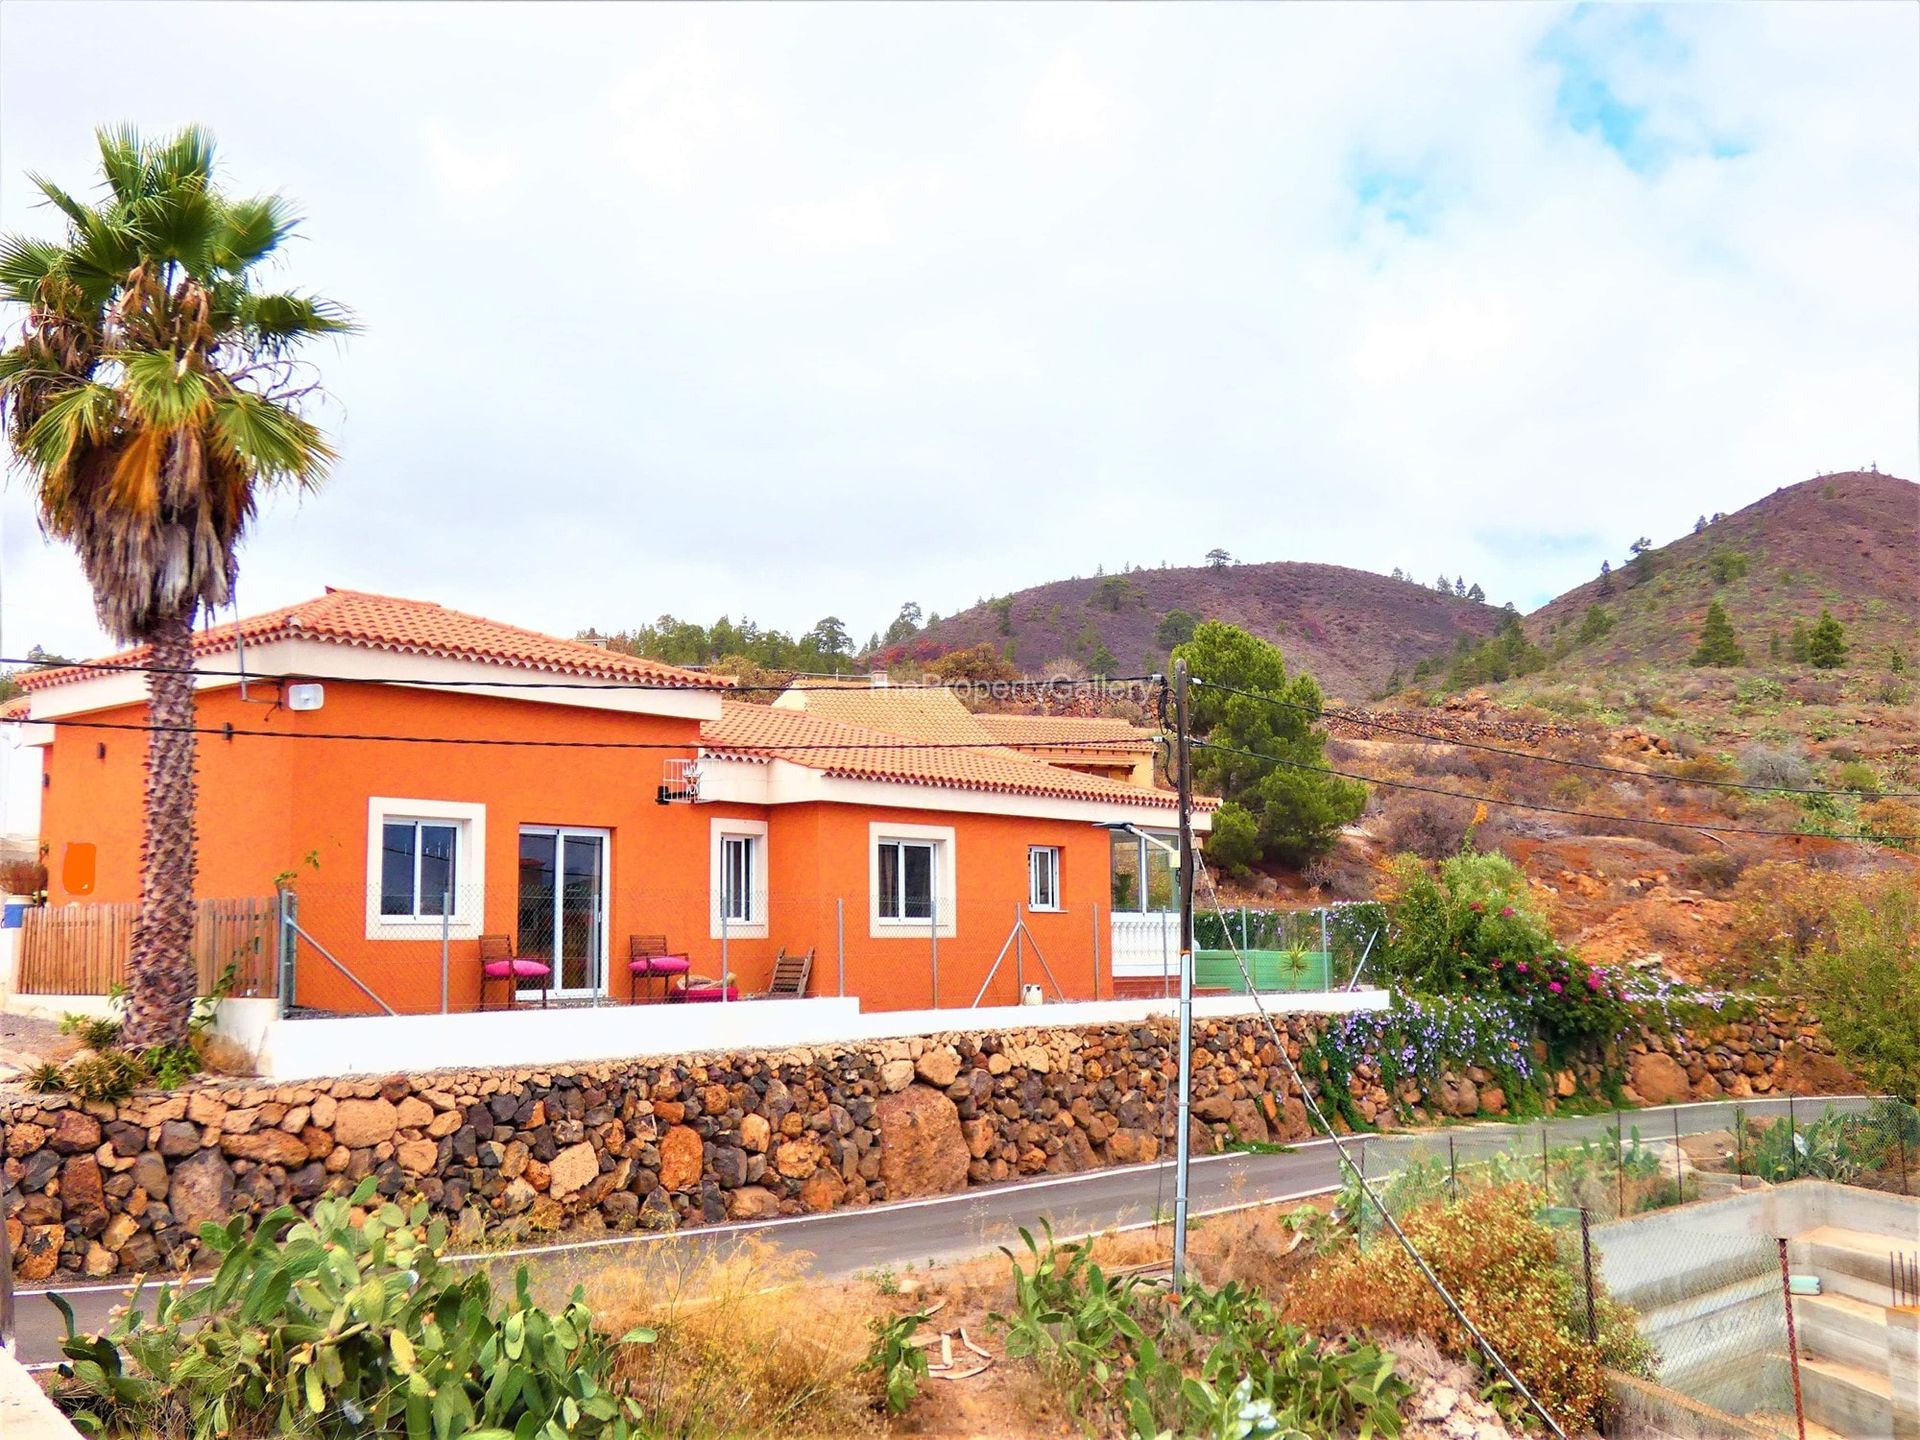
x: 1351, y: 629
x: 1849, y: 543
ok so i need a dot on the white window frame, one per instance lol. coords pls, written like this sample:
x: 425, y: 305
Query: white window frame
x: 1054, y: 860
x: 941, y: 837
x: 719, y: 831
x: 1144, y: 849
x: 469, y: 822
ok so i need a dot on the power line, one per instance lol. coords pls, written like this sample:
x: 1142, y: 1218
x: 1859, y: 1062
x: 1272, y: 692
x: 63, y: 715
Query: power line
x: 1550, y: 809
x: 771, y: 747
x: 1361, y: 717
x: 856, y: 684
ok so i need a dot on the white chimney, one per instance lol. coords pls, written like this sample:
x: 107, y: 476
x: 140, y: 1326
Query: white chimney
x: 878, y: 679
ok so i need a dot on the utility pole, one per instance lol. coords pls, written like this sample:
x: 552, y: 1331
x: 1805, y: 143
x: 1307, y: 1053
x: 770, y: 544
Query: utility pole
x: 1181, y: 1147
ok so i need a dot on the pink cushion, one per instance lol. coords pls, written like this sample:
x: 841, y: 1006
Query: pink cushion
x: 660, y: 965
x: 501, y: 969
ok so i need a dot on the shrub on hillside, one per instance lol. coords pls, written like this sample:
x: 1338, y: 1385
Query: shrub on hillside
x: 1893, y: 822
x: 1469, y: 927
x: 1775, y: 767
x: 1782, y: 911
x: 1861, y: 979
x: 1859, y: 777
x: 1430, y: 826
x: 1504, y: 1268
x: 1715, y: 871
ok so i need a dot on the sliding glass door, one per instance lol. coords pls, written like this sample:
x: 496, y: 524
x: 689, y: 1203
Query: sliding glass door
x: 563, y: 906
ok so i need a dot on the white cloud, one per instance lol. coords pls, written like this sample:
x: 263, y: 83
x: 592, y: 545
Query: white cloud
x: 982, y: 297
x: 1066, y: 105
x: 466, y: 170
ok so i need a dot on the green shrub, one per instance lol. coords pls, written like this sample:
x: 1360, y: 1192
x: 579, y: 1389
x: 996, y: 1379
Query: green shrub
x: 1859, y: 777
x: 96, y: 1032
x: 1220, y: 1363
x: 902, y: 1365
x: 341, y: 1327
x: 1861, y: 979
x: 1505, y: 1269
x: 1469, y: 928
x: 1726, y: 565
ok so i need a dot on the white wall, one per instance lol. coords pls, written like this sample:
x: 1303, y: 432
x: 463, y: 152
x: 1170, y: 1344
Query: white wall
x: 378, y: 1044
x: 19, y: 783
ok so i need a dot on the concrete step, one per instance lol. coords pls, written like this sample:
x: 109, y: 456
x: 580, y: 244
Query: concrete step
x: 1851, y: 1399
x: 1839, y: 1327
x: 1782, y: 1422
x: 1849, y: 1262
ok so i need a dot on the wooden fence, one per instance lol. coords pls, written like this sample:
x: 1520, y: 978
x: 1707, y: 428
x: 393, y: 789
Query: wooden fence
x: 82, y: 949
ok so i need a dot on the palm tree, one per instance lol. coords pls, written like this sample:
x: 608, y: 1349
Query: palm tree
x: 151, y: 393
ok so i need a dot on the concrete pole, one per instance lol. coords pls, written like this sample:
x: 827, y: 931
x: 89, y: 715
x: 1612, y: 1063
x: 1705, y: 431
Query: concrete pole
x: 1182, y: 1143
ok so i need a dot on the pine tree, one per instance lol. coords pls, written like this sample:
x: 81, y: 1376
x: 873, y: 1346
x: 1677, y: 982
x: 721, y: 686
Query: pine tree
x: 1476, y: 594
x: 1799, y: 643
x: 1460, y: 587
x: 1827, y: 645
x: 1718, y: 644
x: 1700, y: 525
x: 1606, y: 578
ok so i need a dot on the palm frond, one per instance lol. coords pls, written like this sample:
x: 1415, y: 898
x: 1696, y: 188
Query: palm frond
x: 24, y: 263
x: 122, y: 160
x: 84, y: 415
x: 282, y: 321
x: 180, y: 220
x: 251, y: 230
x: 162, y: 391
x: 75, y: 210
x: 184, y: 159
x: 284, y: 448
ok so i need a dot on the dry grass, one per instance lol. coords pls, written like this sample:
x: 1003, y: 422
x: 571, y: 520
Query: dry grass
x: 747, y: 1345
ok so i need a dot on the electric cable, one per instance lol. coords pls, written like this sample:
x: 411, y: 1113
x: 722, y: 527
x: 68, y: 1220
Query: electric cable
x: 36, y: 667
x: 229, y: 732
x: 1548, y: 809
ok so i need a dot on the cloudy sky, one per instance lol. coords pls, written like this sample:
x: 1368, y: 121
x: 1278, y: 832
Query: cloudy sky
x: 803, y: 310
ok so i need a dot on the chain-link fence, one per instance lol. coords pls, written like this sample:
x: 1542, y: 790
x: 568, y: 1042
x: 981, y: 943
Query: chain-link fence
x: 556, y: 936
x: 1623, y: 1163
x: 1709, y: 1284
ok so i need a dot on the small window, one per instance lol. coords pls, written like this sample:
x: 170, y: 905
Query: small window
x: 736, y: 879
x: 906, y: 880
x: 418, y: 860
x: 1043, y: 877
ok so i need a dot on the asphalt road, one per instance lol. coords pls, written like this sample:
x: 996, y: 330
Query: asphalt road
x: 950, y: 1227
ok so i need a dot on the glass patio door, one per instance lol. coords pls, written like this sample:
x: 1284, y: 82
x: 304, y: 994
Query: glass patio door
x: 563, y: 906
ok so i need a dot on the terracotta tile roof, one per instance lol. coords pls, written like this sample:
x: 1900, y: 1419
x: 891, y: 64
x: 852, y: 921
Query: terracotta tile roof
x: 926, y: 712
x: 759, y: 732
x: 14, y: 709
x: 413, y: 627
x: 1095, y: 733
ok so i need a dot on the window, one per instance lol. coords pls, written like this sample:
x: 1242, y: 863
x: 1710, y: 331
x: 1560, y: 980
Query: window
x: 421, y: 855
x: 1043, y: 877
x: 906, y: 880
x: 1144, y: 873
x: 911, y: 881
x: 736, y: 879
x: 737, y: 899
x: 418, y: 860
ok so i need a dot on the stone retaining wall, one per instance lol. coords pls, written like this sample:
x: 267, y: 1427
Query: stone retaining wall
x: 97, y: 1189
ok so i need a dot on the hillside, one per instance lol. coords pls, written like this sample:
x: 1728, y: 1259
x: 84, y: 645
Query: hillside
x: 1844, y: 542
x: 1350, y: 629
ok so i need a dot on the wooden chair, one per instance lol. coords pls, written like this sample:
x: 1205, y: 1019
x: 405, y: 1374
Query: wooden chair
x: 498, y: 962
x: 647, y: 959
x: 789, y: 979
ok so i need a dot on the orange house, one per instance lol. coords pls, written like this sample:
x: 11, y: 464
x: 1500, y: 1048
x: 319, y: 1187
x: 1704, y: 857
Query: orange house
x: 419, y: 778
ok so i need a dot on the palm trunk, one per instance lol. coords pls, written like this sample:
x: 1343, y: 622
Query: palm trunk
x: 161, y: 975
